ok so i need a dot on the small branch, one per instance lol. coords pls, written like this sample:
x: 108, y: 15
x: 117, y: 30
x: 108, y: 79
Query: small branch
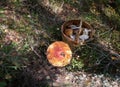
x: 35, y: 51
x: 106, y: 32
x: 80, y: 26
x: 79, y: 31
x: 61, y: 6
x: 111, y: 52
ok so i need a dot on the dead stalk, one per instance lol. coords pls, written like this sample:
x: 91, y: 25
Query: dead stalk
x: 35, y: 51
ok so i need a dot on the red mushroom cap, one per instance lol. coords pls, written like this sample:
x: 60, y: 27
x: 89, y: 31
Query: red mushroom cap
x: 59, y: 54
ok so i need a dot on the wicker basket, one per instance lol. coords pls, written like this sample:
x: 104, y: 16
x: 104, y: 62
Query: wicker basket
x: 69, y: 40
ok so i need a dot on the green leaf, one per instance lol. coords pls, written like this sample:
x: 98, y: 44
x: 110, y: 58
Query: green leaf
x: 3, y: 84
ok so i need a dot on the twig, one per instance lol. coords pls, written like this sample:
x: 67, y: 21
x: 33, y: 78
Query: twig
x: 61, y: 6
x: 106, y: 32
x: 99, y: 60
x: 79, y: 31
x: 111, y: 52
x: 35, y: 51
x: 80, y: 26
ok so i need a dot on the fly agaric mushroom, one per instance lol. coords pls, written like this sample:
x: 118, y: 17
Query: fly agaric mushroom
x: 59, y: 54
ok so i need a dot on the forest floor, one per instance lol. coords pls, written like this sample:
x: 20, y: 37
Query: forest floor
x: 28, y: 27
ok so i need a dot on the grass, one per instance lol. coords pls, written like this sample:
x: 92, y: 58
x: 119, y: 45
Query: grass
x: 33, y: 28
